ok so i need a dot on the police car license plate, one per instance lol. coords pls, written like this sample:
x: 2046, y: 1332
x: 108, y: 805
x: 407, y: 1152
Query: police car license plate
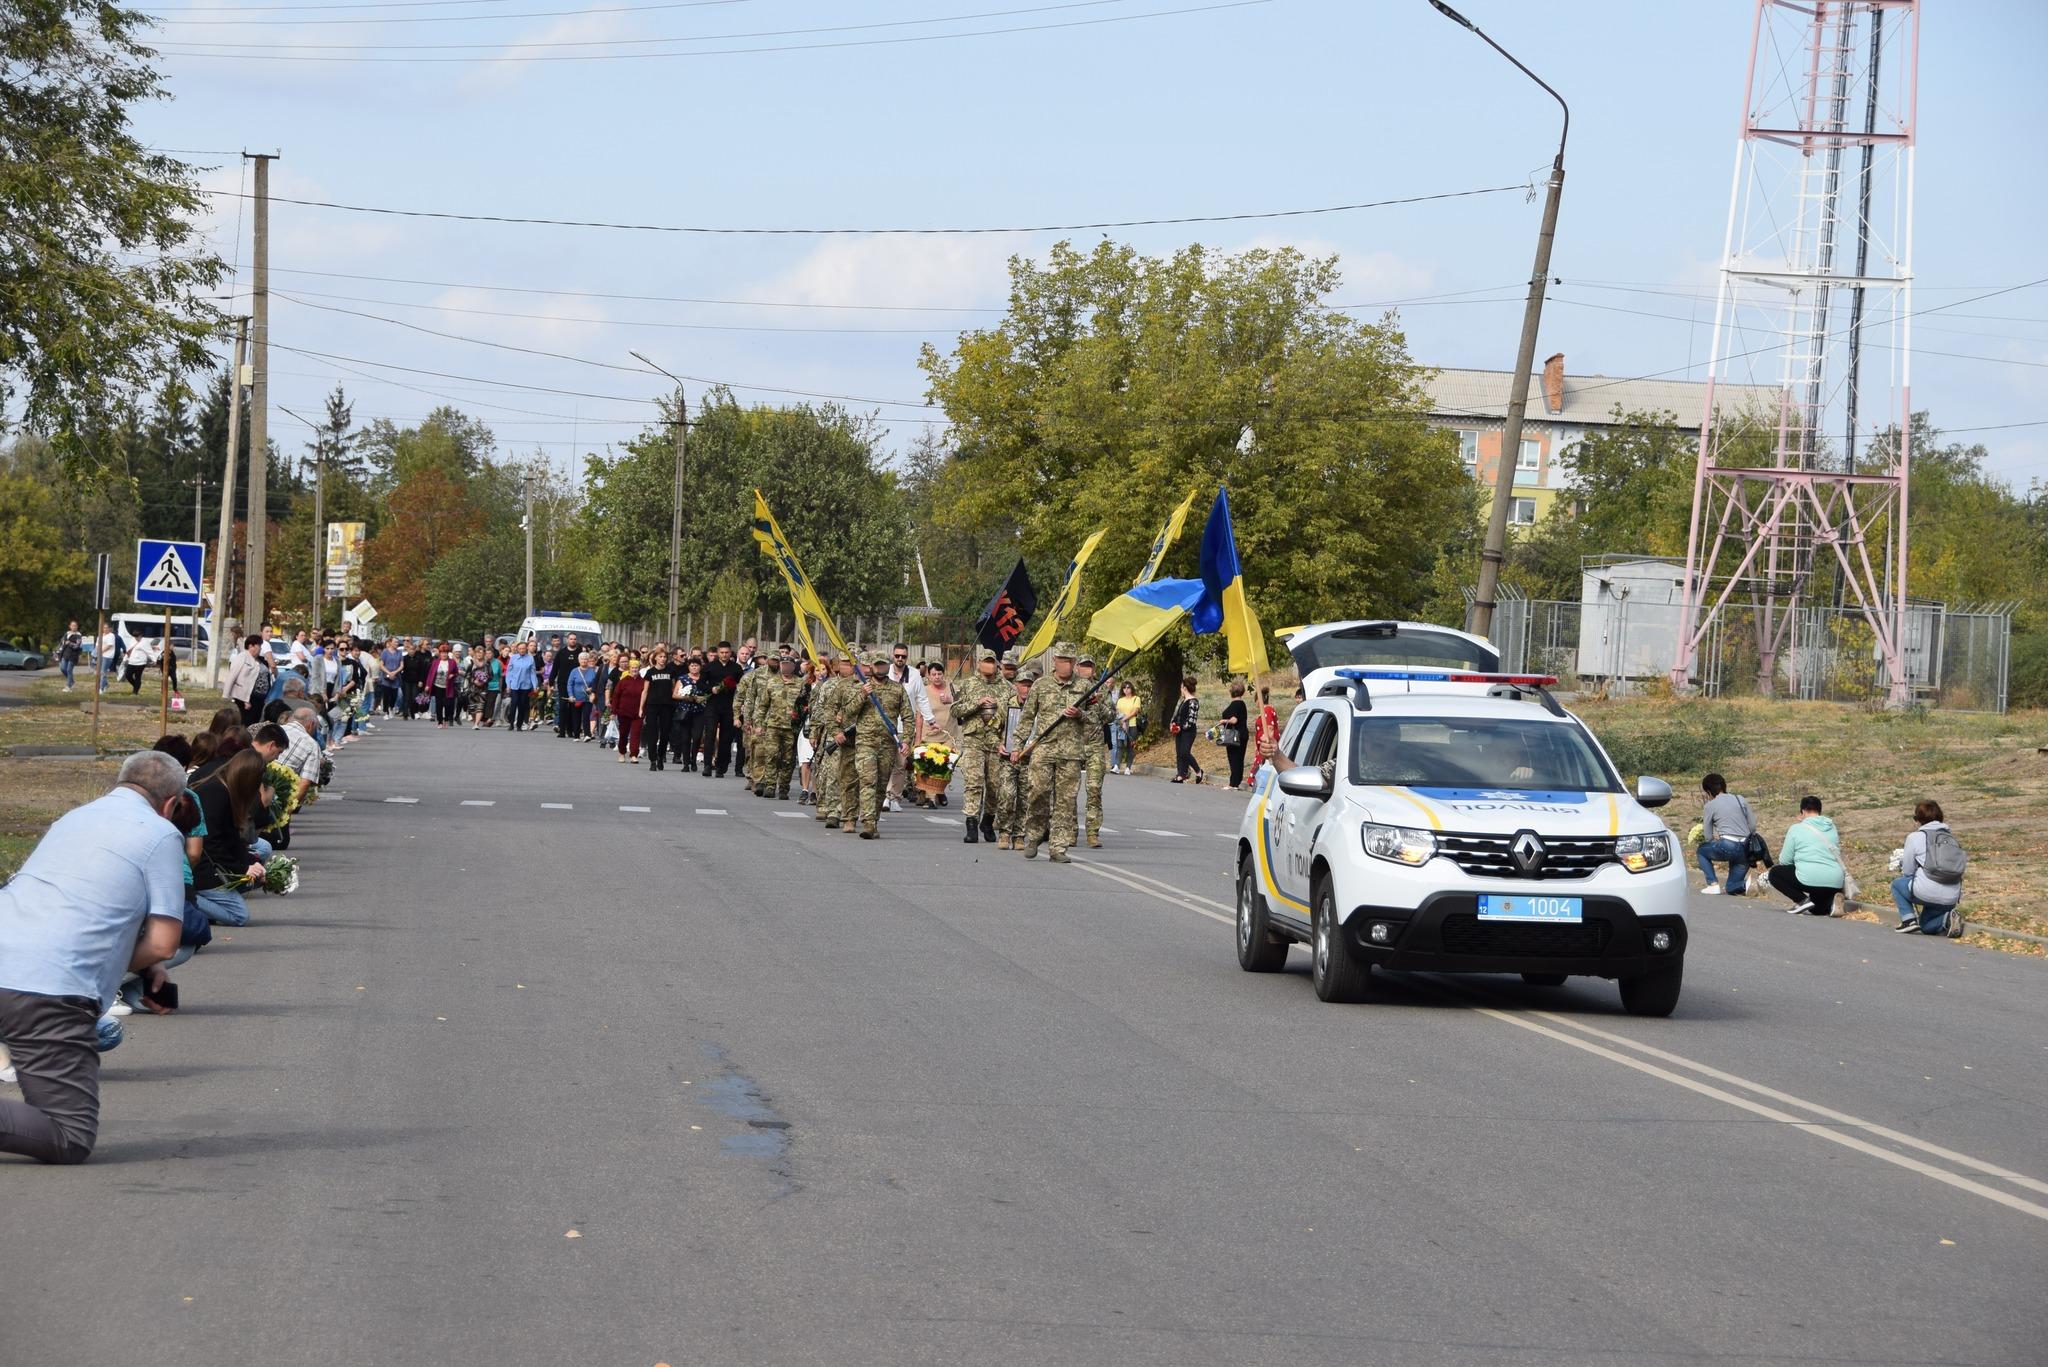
x: 1562, y: 910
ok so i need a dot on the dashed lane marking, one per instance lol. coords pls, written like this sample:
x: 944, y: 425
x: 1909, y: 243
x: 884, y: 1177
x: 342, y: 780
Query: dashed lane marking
x: 478, y: 802
x: 404, y: 801
x: 711, y: 811
x: 1170, y: 835
x: 558, y: 806
x: 940, y: 820
x: 636, y: 809
x: 793, y: 816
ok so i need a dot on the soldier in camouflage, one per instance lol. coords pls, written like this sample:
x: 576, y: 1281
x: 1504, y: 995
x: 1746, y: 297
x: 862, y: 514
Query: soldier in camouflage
x: 1095, y: 762
x: 827, y: 702
x: 774, y: 713
x: 1058, y: 724
x: 1012, y: 779
x: 981, y: 707
x: 881, y: 735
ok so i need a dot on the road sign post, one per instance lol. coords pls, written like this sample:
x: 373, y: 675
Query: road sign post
x: 168, y: 575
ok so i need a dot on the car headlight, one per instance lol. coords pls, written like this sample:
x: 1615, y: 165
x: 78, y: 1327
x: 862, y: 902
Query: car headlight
x: 1641, y: 853
x: 1400, y: 844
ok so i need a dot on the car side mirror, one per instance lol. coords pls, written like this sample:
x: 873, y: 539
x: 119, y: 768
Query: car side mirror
x: 1652, y: 792
x: 1303, y: 780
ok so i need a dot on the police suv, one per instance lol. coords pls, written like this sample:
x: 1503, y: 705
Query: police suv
x: 1456, y: 820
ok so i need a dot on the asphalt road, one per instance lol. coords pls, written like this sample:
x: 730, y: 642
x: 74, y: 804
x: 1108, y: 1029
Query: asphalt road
x: 508, y: 1083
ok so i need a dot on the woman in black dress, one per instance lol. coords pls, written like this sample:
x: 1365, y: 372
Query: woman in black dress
x: 1233, y: 729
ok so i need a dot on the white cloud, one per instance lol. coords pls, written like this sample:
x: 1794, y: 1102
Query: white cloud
x: 516, y: 58
x: 932, y: 272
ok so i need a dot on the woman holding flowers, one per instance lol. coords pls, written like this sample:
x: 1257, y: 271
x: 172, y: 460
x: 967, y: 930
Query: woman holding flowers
x: 627, y: 695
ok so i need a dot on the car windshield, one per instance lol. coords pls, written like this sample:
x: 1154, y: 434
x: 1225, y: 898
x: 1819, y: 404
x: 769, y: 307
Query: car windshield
x: 1477, y: 752
x: 1377, y: 645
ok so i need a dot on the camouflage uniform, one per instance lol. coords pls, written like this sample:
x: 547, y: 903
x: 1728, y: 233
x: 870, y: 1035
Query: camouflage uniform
x: 1057, y: 755
x: 875, y: 749
x: 981, y: 740
x: 1012, y: 778
x: 825, y: 725
x: 774, y: 712
x: 1095, y: 762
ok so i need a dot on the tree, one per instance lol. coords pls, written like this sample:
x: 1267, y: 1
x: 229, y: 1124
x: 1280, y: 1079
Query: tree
x: 336, y: 444
x: 1630, y: 493
x: 37, y: 568
x: 1116, y: 383
x: 449, y: 441
x: 81, y: 328
x: 428, y: 516
x: 818, y: 466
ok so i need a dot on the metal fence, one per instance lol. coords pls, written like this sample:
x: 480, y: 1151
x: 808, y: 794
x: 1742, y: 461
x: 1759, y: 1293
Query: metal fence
x: 930, y: 636
x: 1957, y: 658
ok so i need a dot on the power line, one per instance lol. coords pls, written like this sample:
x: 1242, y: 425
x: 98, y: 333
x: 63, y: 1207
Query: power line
x: 176, y: 16
x: 886, y: 232
x: 193, y: 50
x: 605, y: 9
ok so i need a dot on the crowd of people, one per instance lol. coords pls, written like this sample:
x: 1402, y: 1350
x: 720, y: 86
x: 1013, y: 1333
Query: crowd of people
x: 1810, y: 872
x: 127, y: 888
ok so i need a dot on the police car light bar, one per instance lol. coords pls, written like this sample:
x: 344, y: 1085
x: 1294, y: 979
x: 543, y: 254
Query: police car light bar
x: 1363, y: 673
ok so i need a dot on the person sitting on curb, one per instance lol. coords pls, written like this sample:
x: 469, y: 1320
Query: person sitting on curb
x: 1725, y: 827
x: 102, y: 893
x: 1809, y: 867
x: 1930, y: 874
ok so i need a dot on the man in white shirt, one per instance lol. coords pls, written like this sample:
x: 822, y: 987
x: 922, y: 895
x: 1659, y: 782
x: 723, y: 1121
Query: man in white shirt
x: 901, y: 671
x: 109, y: 656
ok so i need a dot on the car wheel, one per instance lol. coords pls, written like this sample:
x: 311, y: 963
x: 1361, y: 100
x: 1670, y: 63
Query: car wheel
x: 1258, y: 950
x: 1544, y: 979
x: 1653, y: 994
x: 1338, y: 974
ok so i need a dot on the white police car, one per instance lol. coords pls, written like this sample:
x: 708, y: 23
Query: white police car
x: 1457, y: 821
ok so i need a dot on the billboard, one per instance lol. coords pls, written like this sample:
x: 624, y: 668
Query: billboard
x: 345, y: 558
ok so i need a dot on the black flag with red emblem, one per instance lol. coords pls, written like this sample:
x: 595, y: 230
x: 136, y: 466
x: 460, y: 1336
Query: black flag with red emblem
x: 1002, y: 622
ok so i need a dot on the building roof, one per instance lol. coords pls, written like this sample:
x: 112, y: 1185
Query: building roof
x: 1588, y: 399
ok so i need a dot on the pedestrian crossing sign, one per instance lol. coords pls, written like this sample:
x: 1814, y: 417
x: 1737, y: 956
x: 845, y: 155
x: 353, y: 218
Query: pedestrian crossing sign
x: 167, y: 573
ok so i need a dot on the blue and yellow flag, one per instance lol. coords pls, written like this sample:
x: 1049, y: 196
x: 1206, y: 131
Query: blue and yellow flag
x: 1063, y: 606
x: 1223, y: 605
x: 803, y: 598
x: 1134, y: 620
x: 1161, y: 544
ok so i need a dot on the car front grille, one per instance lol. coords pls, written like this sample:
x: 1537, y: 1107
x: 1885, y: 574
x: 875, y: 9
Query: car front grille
x: 1465, y: 933
x: 1492, y: 856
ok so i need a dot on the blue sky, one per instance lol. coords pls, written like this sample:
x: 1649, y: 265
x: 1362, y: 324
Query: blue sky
x: 1233, y: 108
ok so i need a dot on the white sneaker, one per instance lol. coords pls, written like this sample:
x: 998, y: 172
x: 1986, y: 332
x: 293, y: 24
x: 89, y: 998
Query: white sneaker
x: 120, y: 1008
x: 8, y: 1075
x: 1800, y: 909
x: 1711, y: 890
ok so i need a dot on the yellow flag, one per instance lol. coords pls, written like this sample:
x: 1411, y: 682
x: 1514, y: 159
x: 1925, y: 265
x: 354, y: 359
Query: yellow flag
x: 1050, y: 625
x: 1164, y: 542
x: 802, y: 596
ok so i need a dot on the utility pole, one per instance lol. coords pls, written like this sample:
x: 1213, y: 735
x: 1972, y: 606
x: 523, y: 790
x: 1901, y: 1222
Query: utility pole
x: 675, y: 525
x: 528, y: 524
x: 319, y: 528
x: 259, y: 393
x: 1495, y: 554
x: 223, y: 557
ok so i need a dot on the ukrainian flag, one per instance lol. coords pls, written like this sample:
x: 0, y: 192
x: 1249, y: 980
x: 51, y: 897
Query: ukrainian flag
x: 1223, y: 605
x: 1131, y: 621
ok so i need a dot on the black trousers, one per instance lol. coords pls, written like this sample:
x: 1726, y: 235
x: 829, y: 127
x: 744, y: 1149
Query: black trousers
x: 447, y: 708
x: 654, y: 737
x: 520, y: 709
x: 562, y: 712
x: 1184, y: 753
x: 1781, y: 877
x: 725, y: 736
x: 1236, y: 754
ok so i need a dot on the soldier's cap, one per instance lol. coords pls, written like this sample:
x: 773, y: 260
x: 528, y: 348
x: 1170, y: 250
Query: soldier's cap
x: 1028, y: 676
x: 1063, y: 650
x: 788, y: 663
x: 1085, y: 659
x: 1010, y: 660
x: 990, y: 655
x: 880, y: 659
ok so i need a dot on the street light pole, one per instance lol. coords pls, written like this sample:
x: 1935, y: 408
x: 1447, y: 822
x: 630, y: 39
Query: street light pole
x: 675, y: 525
x: 1495, y: 553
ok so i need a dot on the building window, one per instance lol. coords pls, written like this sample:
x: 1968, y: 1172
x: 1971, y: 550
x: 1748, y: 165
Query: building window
x: 1523, y: 513
x: 1468, y: 449
x: 1531, y: 455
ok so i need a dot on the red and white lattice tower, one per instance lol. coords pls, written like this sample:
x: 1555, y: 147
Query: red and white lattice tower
x: 1813, y: 310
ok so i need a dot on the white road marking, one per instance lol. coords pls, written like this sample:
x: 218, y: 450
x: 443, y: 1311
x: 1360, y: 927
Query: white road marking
x: 478, y: 802
x: 558, y: 806
x: 1170, y: 835
x: 1526, y: 1020
x: 636, y: 809
x: 1109, y: 830
x: 793, y: 816
x: 1226, y: 835
x: 406, y: 801
x: 1181, y: 893
x: 711, y: 811
x: 940, y: 820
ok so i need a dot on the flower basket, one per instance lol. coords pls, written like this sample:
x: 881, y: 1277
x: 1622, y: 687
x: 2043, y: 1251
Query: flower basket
x: 933, y: 785
x: 932, y: 765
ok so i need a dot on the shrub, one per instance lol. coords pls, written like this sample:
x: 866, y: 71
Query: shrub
x: 1686, y: 740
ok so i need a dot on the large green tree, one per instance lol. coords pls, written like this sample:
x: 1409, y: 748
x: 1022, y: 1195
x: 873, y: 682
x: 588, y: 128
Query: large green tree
x: 822, y: 473
x: 1117, y: 382
x: 80, y: 327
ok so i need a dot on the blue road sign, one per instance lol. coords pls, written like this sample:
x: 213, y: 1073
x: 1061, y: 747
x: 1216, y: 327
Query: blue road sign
x: 168, y: 573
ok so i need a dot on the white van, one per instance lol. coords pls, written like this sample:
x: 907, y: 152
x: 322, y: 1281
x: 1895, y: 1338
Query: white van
x: 543, y: 625
x: 189, y: 638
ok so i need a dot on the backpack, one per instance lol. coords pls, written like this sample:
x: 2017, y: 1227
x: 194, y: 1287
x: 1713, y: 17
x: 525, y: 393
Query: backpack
x: 260, y: 690
x: 1945, y: 860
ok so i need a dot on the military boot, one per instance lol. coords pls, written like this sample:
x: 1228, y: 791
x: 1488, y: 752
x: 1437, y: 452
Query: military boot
x: 973, y: 831
x: 1094, y: 842
x: 1031, y: 850
x: 1059, y: 856
x: 988, y: 826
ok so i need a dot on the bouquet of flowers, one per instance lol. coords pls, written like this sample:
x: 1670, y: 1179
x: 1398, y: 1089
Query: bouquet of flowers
x: 932, y: 765
x: 281, y: 798
x: 280, y: 877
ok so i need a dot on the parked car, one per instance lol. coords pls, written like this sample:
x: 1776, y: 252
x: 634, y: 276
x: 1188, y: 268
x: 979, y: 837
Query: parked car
x: 13, y: 656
